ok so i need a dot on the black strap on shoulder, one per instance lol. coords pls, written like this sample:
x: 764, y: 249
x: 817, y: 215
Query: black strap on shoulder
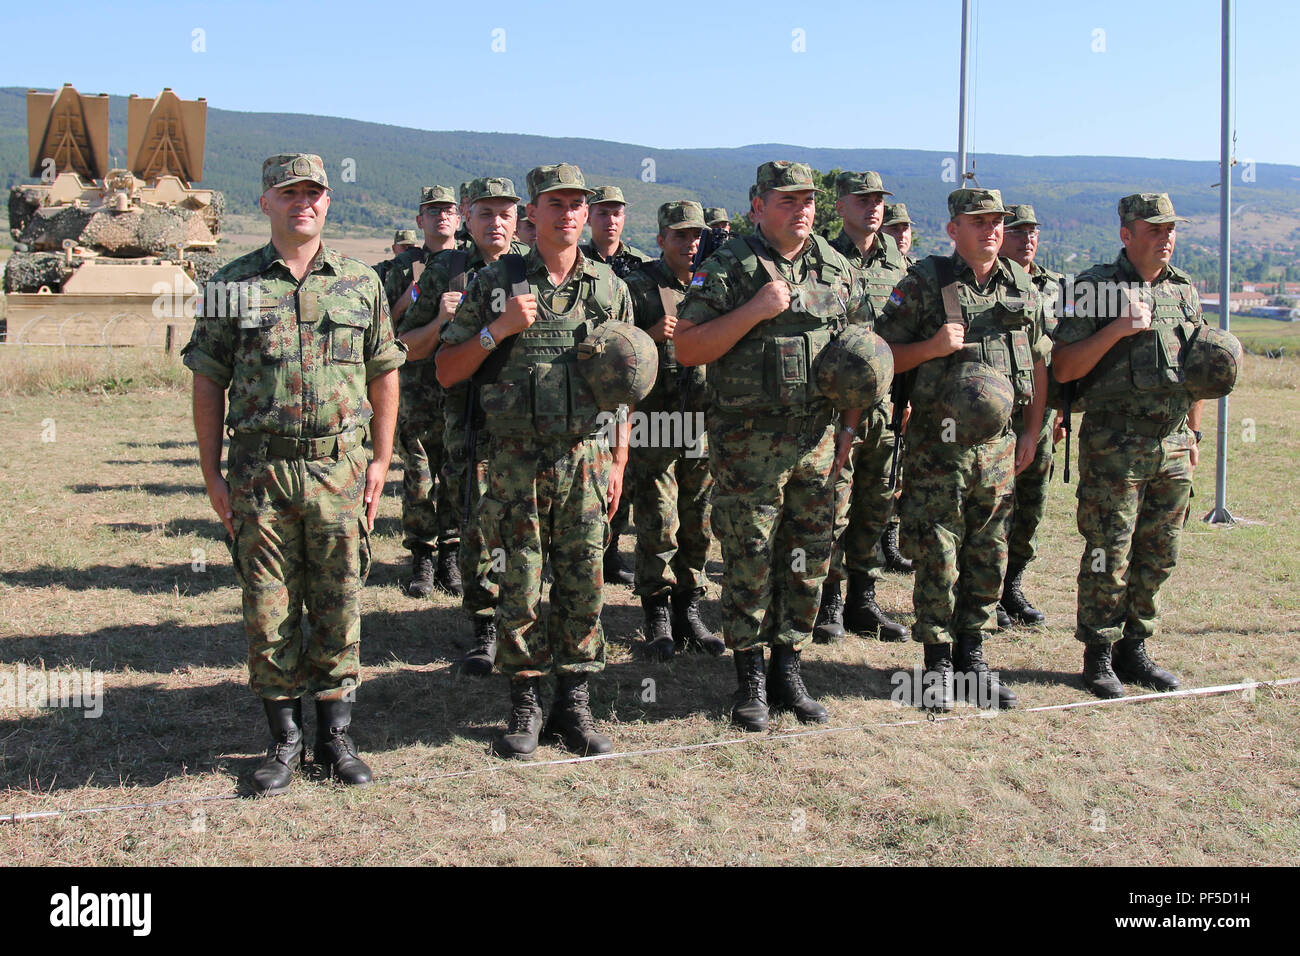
x: 517, y: 276
x: 458, y: 266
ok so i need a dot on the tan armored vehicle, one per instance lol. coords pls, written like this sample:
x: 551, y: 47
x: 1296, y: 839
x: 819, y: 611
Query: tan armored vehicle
x: 110, y: 256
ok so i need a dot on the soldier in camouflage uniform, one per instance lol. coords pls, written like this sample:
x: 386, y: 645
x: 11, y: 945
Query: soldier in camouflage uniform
x: 1020, y: 245
x: 717, y: 218
x: 308, y: 356
x: 762, y: 308
x: 1138, y: 444
x: 403, y: 239
x: 898, y: 224
x: 672, y: 484
x: 430, y: 516
x: 524, y: 230
x: 608, y: 211
x: 864, y: 500
x: 552, y: 482
x: 971, y: 326
x: 491, y: 206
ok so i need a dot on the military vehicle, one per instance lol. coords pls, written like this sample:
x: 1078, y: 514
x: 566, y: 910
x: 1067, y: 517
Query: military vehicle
x: 105, y: 255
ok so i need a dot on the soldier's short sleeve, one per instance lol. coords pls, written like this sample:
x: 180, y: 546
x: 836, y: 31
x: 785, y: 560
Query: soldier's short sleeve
x: 1039, y: 340
x: 1091, y: 311
x: 859, y: 308
x: 425, y: 308
x: 900, y: 320
x: 383, y: 352
x: 211, y: 349
x: 622, y: 302
x: 711, y: 292
x: 473, y: 314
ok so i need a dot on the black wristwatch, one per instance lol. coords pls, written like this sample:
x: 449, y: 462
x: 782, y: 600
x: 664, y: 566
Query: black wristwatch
x: 1198, y: 436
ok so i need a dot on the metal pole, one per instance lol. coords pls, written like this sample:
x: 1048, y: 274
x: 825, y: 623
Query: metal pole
x: 1220, y: 514
x: 961, y: 102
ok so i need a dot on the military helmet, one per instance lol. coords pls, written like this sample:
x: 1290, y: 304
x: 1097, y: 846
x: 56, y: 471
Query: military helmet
x: 979, y: 399
x: 1211, y: 362
x: 855, y: 369
x: 620, y: 363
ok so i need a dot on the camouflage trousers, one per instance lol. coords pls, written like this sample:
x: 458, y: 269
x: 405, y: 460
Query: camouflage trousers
x: 773, y: 510
x: 1133, y: 496
x: 547, y: 498
x: 300, y: 540
x: 479, y: 597
x: 864, y: 501
x: 429, y: 513
x: 673, y: 492
x: 956, y: 510
x: 1031, y: 498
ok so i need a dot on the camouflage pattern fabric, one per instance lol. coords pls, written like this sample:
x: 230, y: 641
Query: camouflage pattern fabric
x: 624, y: 260
x: 1135, y: 473
x: 546, y: 498
x: 481, y: 590
x: 400, y: 271
x: 297, y: 366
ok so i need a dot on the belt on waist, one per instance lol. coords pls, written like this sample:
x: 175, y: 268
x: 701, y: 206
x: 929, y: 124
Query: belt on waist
x: 1129, y: 423
x: 281, y: 446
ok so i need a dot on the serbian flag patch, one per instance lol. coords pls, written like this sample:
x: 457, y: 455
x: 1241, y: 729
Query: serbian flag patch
x: 698, y: 279
x: 896, y: 297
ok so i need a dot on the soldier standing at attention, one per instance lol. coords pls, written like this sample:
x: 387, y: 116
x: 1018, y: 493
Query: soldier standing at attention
x: 492, y: 203
x: 608, y: 213
x: 310, y: 364
x: 898, y: 224
x: 429, y: 522
x: 552, y: 482
x: 403, y: 239
x: 717, y: 218
x: 864, y: 500
x: 971, y: 325
x: 1138, y: 443
x: 524, y: 230
x: 672, y: 485
x: 760, y: 310
x: 1020, y: 245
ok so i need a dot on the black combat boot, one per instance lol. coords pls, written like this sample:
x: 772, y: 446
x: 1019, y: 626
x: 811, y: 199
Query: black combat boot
x: 571, y: 721
x: 864, y: 616
x: 937, y: 682
x: 658, y: 627
x: 1004, y: 619
x: 689, y: 632
x: 829, y: 627
x: 988, y: 689
x: 1098, y: 676
x: 786, y: 690
x: 478, y: 662
x: 894, y: 560
x: 1133, y: 665
x: 447, y: 576
x: 1014, y: 602
x: 749, y: 711
x: 421, y: 583
x: 615, y: 571
x: 525, y: 723
x: 334, y: 748
x: 275, y: 773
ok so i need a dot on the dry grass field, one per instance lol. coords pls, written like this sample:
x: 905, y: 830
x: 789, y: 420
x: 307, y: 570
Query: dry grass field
x: 104, y: 526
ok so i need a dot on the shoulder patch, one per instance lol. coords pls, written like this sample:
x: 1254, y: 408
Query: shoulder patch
x: 896, y: 297
x: 698, y: 279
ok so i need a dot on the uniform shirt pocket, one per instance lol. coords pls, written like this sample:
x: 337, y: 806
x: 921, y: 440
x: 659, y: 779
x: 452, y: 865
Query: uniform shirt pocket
x: 347, y: 332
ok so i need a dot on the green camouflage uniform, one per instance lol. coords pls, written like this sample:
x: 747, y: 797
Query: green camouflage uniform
x: 957, y: 502
x: 479, y: 590
x: 864, y: 500
x: 297, y: 366
x: 548, y: 472
x: 772, y: 437
x: 672, y: 485
x: 1135, y: 470
x: 624, y: 260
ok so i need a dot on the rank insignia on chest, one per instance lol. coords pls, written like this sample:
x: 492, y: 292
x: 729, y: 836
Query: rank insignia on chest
x: 697, y: 280
x: 896, y: 297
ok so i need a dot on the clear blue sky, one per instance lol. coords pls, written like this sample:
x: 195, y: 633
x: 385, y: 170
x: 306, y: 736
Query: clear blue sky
x: 669, y: 73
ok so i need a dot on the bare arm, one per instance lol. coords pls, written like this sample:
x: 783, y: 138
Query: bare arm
x: 456, y: 363
x: 209, y: 411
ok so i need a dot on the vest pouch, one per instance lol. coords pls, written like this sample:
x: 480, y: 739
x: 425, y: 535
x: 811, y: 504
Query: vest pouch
x: 507, y: 403
x: 786, y: 362
x: 1022, y: 358
x: 551, y: 398
x: 736, y: 378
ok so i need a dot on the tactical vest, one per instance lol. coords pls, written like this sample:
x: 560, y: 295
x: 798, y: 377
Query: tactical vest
x: 881, y: 275
x: 769, y: 369
x: 539, y: 389
x: 1151, y: 360
x: 997, y: 332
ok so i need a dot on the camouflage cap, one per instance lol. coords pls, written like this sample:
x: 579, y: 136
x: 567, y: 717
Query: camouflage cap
x: 606, y: 194
x: 976, y: 202
x: 681, y: 214
x: 521, y: 213
x: 546, y: 179
x: 1150, y: 207
x: 1021, y: 215
x: 896, y: 215
x: 407, y: 237
x: 430, y: 194
x: 464, y: 189
x: 284, y: 169
x: 859, y: 183
x: 716, y: 214
x: 784, y: 177
x: 491, y: 187
x: 753, y: 191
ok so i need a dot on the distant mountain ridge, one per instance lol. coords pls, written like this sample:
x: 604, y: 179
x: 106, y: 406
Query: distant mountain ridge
x: 1073, y: 195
